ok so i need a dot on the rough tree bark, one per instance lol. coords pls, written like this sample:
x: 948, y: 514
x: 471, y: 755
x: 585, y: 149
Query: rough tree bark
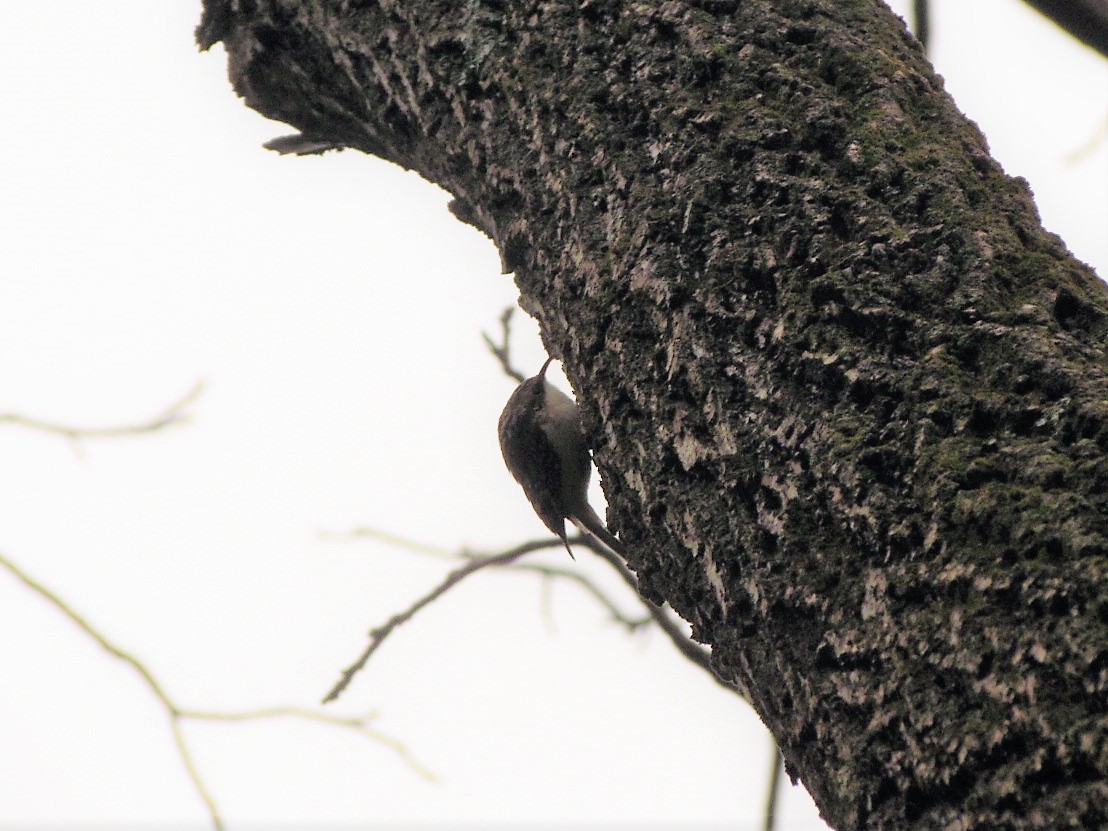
x: 847, y: 397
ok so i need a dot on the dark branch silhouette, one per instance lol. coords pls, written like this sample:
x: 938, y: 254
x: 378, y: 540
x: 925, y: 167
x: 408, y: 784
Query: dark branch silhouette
x: 502, y: 350
x: 695, y: 653
x: 1086, y: 20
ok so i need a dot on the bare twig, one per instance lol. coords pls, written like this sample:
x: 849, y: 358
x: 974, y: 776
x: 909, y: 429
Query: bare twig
x: 359, y: 724
x: 631, y: 624
x: 173, y: 414
x: 178, y: 714
x: 190, y: 767
x: 377, y: 636
x: 672, y: 630
x: 554, y: 572
x: 502, y: 351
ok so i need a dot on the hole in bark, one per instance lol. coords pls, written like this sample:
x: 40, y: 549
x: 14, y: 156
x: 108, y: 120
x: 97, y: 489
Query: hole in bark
x: 1072, y: 312
x: 886, y: 789
x: 982, y: 421
x: 942, y: 419
x: 1102, y: 611
x: 1050, y: 774
x: 769, y: 544
x: 825, y: 657
x: 770, y: 500
x: 1098, y: 662
x: 666, y: 30
x: 807, y: 733
x: 800, y: 33
x: 1084, y: 425
x: 446, y: 46
x: 1009, y: 803
x: 1061, y: 606
x: 706, y: 72
x: 825, y: 291
x: 967, y: 353
x: 914, y: 803
x: 1053, y: 548
x: 1026, y: 422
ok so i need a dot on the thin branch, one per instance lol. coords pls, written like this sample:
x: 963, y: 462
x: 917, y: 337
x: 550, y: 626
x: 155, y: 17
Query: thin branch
x: 193, y: 773
x: 508, y: 560
x: 92, y: 632
x: 173, y: 414
x: 377, y: 636
x: 631, y: 624
x: 502, y: 351
x: 776, y: 765
x: 688, y: 648
x: 557, y: 572
x: 359, y: 724
x: 177, y: 714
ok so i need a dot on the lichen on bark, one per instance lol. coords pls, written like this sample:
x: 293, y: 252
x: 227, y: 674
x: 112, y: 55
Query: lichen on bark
x: 847, y: 397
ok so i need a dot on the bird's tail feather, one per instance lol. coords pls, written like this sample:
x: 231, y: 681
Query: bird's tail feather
x: 593, y: 525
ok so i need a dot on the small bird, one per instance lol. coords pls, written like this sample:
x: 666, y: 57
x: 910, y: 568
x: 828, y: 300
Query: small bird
x: 544, y: 449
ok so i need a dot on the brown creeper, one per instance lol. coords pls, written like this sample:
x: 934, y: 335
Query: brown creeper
x: 544, y: 449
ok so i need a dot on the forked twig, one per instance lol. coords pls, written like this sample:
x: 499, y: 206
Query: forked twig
x: 692, y: 651
x: 554, y: 572
x: 178, y: 714
x: 502, y: 350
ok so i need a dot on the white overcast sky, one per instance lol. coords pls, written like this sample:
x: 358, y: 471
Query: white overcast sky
x: 333, y: 309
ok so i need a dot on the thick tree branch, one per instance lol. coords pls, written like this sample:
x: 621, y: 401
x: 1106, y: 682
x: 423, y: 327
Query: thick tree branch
x: 1086, y: 20
x: 849, y: 400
